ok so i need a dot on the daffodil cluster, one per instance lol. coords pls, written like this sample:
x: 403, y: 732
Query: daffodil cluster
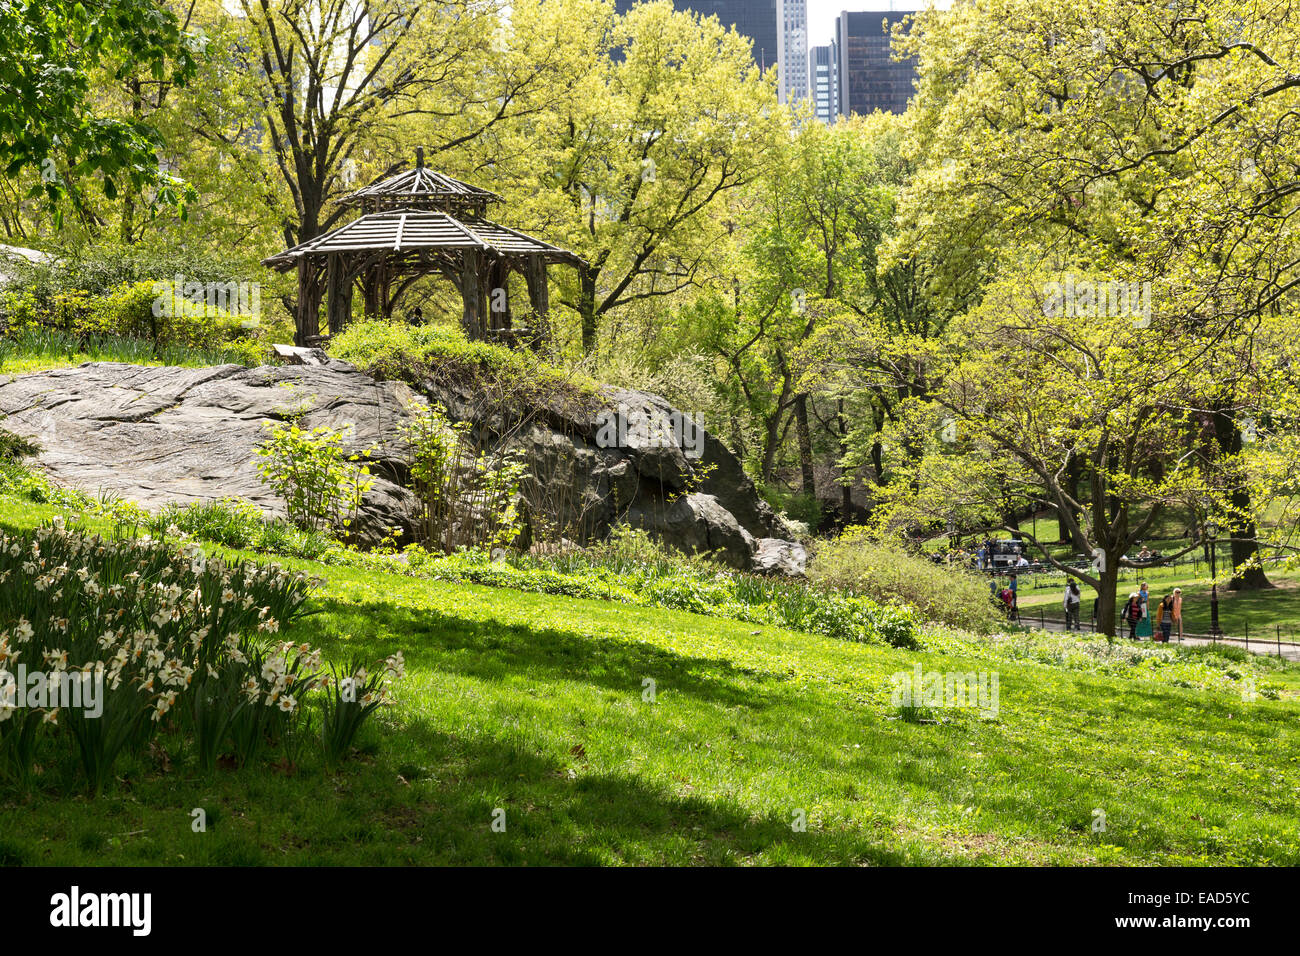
x: 152, y: 625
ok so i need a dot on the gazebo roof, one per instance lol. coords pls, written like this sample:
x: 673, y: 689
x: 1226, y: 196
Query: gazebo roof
x: 419, y: 183
x: 416, y: 230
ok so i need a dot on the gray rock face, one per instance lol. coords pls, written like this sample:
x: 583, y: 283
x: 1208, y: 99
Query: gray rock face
x: 780, y: 557
x: 629, y: 457
x: 698, y: 523
x: 162, y: 435
x: 159, y: 435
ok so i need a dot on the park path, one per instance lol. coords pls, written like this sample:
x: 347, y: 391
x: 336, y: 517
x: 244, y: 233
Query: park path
x: 1289, y: 651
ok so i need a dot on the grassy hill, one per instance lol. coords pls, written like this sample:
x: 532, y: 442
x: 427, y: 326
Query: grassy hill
x: 536, y: 705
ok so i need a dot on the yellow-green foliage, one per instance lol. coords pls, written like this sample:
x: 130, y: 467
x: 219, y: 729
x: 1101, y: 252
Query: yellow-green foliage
x: 418, y: 353
x: 127, y: 310
x: 855, y: 563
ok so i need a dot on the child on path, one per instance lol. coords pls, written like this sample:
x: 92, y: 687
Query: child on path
x: 1133, y: 614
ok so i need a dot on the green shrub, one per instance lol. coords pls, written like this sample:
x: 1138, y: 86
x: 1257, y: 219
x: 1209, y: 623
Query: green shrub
x: 175, y: 642
x: 795, y: 505
x: 240, y: 524
x: 128, y: 311
x: 32, y: 347
x: 635, y: 571
x: 689, y: 592
x: 96, y: 269
x: 419, y: 353
x: 147, y: 624
x: 350, y: 699
x: 321, y: 484
x: 19, y: 481
x: 15, y: 447
x: 1226, y: 651
x: 467, y: 496
x: 855, y: 564
x: 107, y: 292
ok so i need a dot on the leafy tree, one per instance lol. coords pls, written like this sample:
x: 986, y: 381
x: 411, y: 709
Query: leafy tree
x: 1028, y: 391
x: 654, y: 118
x: 48, y: 50
x: 338, y: 77
x: 1152, y: 143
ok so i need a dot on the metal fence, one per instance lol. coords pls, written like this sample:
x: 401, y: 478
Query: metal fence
x: 1273, y: 641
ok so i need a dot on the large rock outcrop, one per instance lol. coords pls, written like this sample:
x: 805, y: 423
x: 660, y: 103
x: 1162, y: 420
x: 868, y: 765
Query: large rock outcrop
x: 162, y: 435
x: 159, y: 435
x: 588, y: 473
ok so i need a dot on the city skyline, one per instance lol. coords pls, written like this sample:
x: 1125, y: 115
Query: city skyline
x: 822, y: 14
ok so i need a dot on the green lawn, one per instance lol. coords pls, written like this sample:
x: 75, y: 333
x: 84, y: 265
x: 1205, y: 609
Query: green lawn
x: 534, y: 704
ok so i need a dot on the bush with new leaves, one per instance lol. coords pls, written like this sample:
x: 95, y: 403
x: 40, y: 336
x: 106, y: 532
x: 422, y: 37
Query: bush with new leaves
x: 321, y: 483
x: 468, y: 496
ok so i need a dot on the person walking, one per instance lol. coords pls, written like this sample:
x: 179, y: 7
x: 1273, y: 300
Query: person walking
x: 1165, y: 617
x: 1072, y: 601
x: 1144, y: 622
x: 1132, y: 615
x: 1013, y: 584
x: 1178, y: 611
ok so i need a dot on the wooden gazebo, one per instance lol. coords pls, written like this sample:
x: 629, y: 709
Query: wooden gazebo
x: 417, y: 223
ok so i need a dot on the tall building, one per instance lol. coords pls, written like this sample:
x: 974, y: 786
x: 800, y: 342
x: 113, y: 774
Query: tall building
x: 869, y: 79
x: 755, y: 19
x: 792, y: 50
x: 824, y: 82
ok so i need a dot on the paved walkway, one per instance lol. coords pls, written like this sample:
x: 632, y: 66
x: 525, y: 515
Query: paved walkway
x: 1289, y: 651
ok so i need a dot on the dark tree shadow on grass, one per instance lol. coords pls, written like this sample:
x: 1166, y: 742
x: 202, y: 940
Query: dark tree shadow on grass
x: 492, y: 651
x: 552, y: 818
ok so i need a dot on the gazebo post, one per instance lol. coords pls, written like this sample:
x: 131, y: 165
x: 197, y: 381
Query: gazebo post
x: 484, y: 297
x: 384, y: 283
x: 370, y: 291
x: 308, y: 318
x: 539, y: 297
x: 470, y: 292
x: 499, y: 279
x: 339, y: 285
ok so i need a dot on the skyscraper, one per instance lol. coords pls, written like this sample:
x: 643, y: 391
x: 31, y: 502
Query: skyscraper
x: 792, y: 50
x: 755, y: 19
x: 824, y: 82
x: 869, y: 79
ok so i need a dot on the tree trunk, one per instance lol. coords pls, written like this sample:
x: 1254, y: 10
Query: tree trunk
x: 1070, y: 482
x: 772, y: 434
x: 1106, y: 596
x: 587, y: 310
x: 1244, y: 546
x: 878, y: 447
x: 1252, y: 578
x: 805, y: 445
x: 128, y: 197
x: 846, y: 490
